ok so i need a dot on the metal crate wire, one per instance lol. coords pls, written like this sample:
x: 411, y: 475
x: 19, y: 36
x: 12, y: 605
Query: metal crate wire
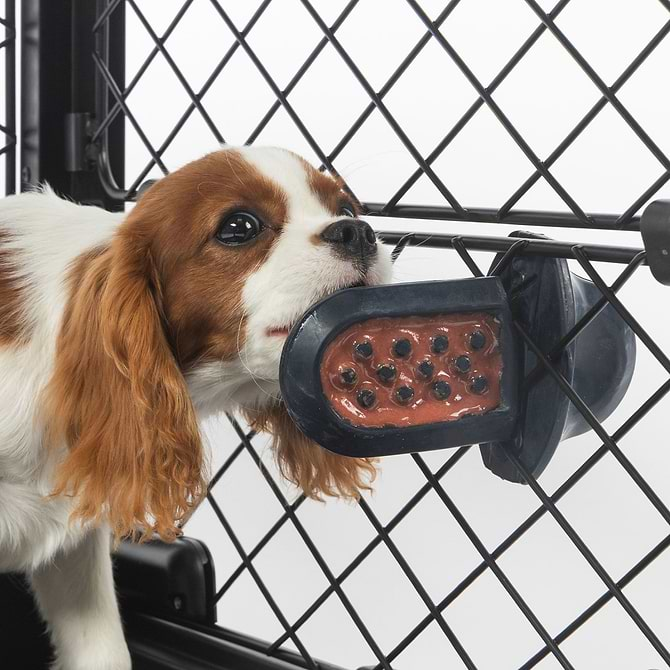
x: 435, y: 473
x: 8, y: 113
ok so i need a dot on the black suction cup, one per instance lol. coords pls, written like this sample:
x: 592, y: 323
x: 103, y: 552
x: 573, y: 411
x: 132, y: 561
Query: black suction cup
x: 547, y: 300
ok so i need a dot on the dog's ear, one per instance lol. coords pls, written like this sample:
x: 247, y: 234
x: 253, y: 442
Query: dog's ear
x: 312, y: 468
x: 119, y: 402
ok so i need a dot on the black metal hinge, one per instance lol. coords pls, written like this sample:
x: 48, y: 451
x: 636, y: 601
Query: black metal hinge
x: 80, y: 154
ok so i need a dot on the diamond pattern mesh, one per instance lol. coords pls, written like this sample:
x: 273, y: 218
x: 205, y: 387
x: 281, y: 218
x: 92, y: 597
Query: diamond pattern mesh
x: 526, y: 570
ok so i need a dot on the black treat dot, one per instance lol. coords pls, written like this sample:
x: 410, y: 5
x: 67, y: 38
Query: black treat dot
x: 363, y: 349
x: 404, y: 394
x: 402, y: 348
x: 441, y: 390
x: 477, y: 340
x: 425, y: 369
x: 386, y: 373
x: 366, y: 398
x: 463, y: 363
x: 440, y: 344
x: 479, y: 385
x: 348, y: 376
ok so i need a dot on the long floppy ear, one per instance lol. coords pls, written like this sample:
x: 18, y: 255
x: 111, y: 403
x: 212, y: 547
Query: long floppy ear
x: 312, y: 468
x: 119, y: 401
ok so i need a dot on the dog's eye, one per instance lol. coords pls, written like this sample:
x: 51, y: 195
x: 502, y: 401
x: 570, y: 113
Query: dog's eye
x: 239, y: 228
x: 346, y: 210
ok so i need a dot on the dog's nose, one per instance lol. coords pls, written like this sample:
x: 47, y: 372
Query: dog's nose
x: 352, y: 238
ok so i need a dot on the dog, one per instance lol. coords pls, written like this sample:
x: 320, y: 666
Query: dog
x: 120, y: 332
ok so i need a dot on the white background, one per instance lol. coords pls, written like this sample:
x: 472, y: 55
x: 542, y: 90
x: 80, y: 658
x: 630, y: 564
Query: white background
x: 605, y: 170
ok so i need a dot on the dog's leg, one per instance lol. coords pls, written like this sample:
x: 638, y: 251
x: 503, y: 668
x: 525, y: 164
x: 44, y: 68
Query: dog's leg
x: 75, y: 593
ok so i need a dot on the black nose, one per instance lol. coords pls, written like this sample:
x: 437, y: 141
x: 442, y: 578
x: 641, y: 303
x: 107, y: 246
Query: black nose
x: 352, y: 238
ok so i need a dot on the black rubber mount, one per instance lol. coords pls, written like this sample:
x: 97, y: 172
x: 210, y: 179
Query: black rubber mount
x: 547, y: 300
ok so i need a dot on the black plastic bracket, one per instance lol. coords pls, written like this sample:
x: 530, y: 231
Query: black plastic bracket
x: 60, y: 96
x: 157, y: 644
x: 77, y: 137
x: 173, y: 580
x: 655, y: 228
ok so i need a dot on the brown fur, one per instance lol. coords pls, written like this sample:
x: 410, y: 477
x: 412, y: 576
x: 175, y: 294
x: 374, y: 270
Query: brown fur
x: 162, y: 297
x: 330, y: 191
x: 315, y: 470
x: 202, y: 280
x: 119, y: 400
x: 14, y: 329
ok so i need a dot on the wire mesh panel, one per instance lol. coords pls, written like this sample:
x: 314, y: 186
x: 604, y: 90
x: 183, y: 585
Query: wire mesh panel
x: 7, y: 85
x: 483, y: 112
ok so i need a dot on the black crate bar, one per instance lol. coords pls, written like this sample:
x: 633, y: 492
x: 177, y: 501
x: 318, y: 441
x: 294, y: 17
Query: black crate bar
x: 62, y: 99
x: 8, y: 129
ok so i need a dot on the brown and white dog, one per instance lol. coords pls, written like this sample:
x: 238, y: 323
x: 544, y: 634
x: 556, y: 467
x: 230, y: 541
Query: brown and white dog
x: 118, y: 333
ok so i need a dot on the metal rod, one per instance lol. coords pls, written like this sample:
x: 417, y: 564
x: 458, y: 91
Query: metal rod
x: 535, y: 247
x: 601, y: 85
x: 488, y: 215
x: 10, y: 97
x: 274, y: 529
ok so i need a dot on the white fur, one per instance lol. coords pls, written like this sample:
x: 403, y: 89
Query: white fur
x: 69, y: 564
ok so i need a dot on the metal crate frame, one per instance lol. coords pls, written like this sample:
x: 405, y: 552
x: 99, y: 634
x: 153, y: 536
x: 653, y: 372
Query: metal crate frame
x: 8, y: 129
x: 95, y: 174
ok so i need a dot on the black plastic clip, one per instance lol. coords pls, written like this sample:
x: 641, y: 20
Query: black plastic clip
x: 167, y: 579
x: 78, y: 156
x: 655, y: 228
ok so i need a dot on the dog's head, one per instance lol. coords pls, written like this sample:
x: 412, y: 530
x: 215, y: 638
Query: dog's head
x: 188, y: 309
x: 243, y: 241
